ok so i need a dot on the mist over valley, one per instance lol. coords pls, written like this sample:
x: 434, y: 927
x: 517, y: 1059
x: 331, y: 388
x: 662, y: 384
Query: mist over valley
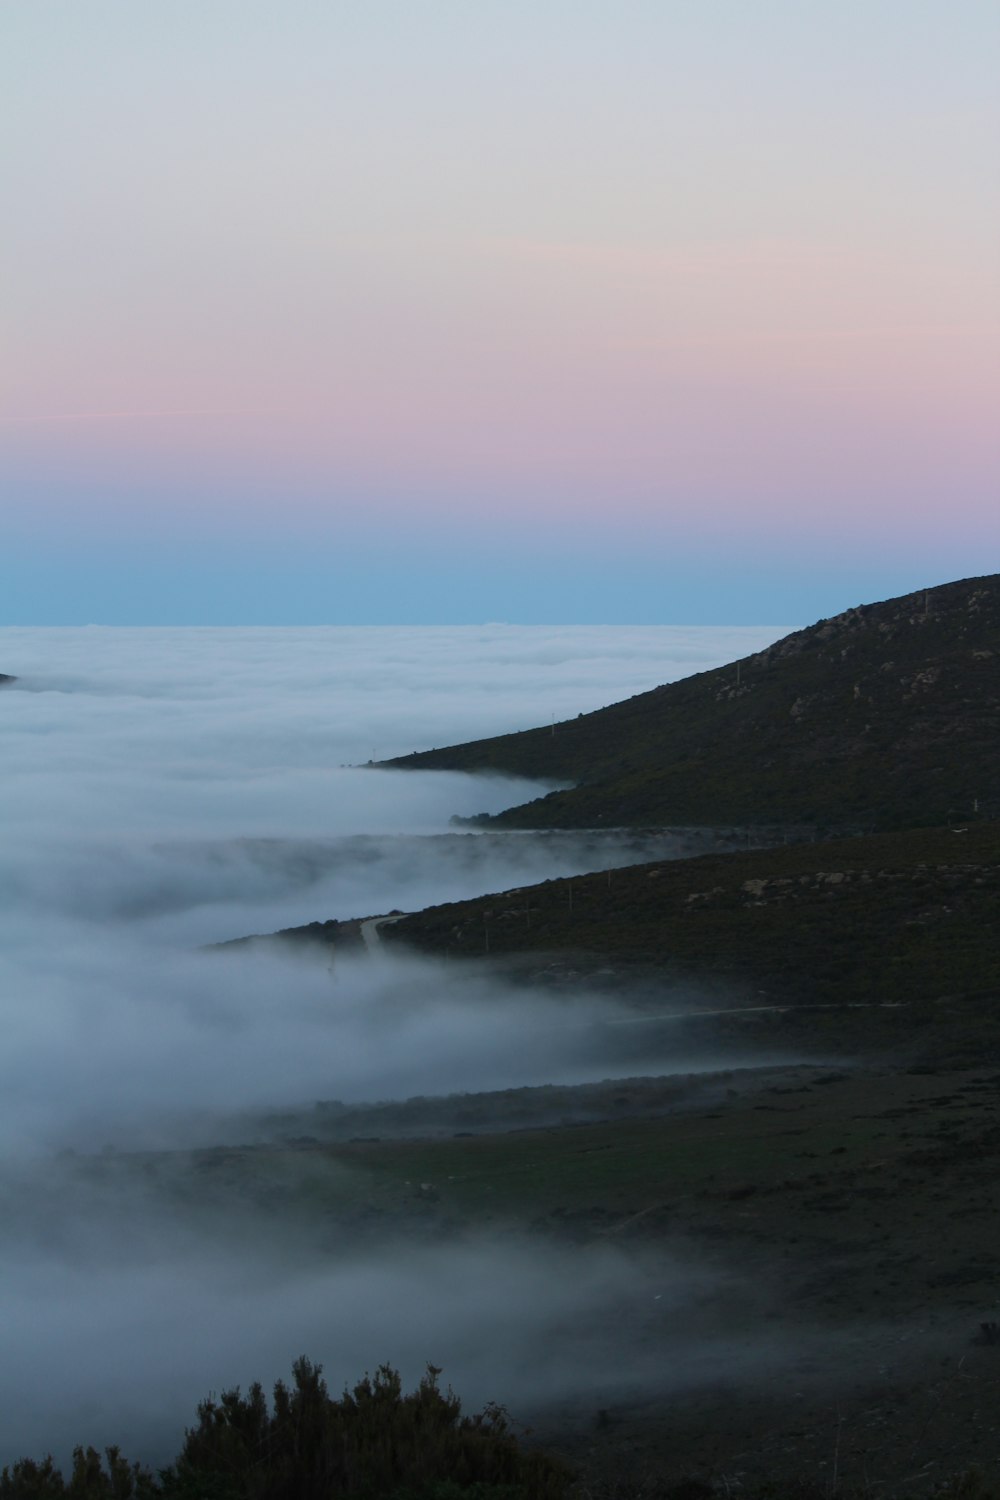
x: 169, y: 790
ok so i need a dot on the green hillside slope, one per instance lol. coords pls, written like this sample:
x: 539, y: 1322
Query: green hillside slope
x: 887, y: 715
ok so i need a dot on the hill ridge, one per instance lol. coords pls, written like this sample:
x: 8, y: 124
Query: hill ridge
x: 885, y: 715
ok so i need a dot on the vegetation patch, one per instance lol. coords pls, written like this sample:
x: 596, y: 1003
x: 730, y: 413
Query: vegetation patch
x: 893, y: 918
x: 375, y: 1443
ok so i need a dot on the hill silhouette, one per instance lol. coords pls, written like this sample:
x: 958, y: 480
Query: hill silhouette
x: 885, y: 716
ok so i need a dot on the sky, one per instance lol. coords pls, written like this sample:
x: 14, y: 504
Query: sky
x: 537, y: 312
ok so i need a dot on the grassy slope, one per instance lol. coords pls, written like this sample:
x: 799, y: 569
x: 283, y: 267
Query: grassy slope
x: 886, y: 716
x: 907, y: 916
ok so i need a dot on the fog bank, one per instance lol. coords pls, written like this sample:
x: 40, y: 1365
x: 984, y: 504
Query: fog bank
x: 169, y: 788
x: 521, y: 1323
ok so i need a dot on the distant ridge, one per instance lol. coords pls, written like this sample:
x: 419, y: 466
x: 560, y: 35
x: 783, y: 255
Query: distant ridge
x: 887, y: 715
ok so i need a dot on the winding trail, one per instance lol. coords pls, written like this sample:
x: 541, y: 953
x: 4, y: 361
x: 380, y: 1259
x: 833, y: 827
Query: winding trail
x: 370, y: 931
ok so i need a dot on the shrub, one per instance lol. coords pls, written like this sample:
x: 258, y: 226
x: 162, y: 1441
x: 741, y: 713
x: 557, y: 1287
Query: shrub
x: 375, y: 1443
x: 91, y: 1478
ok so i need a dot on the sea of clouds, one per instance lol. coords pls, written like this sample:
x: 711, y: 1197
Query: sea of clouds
x: 168, y: 788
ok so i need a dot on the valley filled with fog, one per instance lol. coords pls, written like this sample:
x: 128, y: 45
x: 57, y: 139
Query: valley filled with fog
x: 170, y: 789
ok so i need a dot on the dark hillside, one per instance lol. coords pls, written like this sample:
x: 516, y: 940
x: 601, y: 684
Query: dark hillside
x: 887, y: 715
x: 904, y: 917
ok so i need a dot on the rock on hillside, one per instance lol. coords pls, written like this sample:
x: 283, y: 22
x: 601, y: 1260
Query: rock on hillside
x: 887, y: 715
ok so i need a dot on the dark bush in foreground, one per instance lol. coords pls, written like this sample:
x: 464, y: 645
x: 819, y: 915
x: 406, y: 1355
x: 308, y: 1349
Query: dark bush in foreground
x: 375, y: 1443
x: 92, y: 1478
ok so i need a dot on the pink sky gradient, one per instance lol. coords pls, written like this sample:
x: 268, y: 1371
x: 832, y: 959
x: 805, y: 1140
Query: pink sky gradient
x: 704, y: 275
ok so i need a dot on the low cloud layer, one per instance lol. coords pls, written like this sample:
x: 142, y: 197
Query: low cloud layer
x: 187, y: 891
x: 511, y: 1321
x: 149, y: 771
x: 167, y: 789
x: 136, y: 1047
x: 196, y: 708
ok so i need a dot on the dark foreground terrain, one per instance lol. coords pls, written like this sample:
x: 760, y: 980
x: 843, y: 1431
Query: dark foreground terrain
x: 831, y: 1223
x: 831, y: 1175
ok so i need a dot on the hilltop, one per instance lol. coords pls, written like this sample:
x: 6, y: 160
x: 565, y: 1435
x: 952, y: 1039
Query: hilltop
x: 885, y: 716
